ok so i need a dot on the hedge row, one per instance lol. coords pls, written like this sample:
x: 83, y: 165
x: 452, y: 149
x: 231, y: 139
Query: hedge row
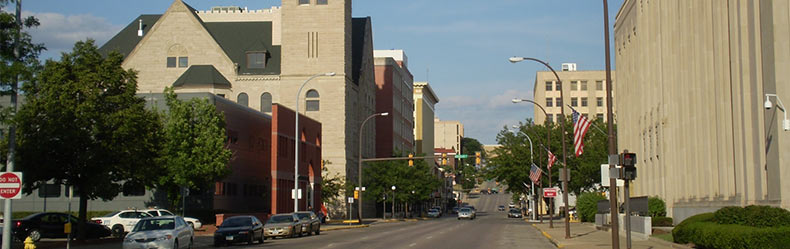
x: 661, y: 221
x: 587, y: 205
x: 704, y: 231
x: 755, y: 216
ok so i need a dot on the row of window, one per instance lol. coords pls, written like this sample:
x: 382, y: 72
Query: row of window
x: 312, y: 102
x: 178, y: 61
x: 255, y: 60
x: 575, y: 85
x: 550, y: 117
x: 574, y: 102
x: 317, y: 2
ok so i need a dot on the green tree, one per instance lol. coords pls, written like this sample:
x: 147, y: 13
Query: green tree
x: 379, y: 177
x: 470, y: 145
x: 83, y: 126
x: 195, y: 153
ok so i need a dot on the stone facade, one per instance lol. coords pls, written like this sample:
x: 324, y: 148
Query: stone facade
x: 448, y: 134
x: 587, y: 89
x: 693, y: 77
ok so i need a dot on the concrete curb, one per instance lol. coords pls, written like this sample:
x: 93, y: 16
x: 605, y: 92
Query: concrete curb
x: 333, y: 228
x: 669, y: 244
x: 552, y: 240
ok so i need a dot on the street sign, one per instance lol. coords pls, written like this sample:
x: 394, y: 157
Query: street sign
x: 11, y: 185
x: 461, y: 156
x: 549, y: 192
x: 350, y: 199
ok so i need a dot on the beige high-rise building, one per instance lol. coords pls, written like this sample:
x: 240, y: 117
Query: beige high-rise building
x: 585, y: 91
x: 424, y: 101
x: 448, y: 135
x: 693, y: 80
x: 260, y: 57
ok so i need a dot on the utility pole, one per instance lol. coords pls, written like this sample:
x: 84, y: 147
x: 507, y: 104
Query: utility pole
x: 12, y: 128
x: 610, y: 127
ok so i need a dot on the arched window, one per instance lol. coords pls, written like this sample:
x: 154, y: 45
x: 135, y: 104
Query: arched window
x: 266, y: 102
x: 243, y: 99
x: 312, y: 100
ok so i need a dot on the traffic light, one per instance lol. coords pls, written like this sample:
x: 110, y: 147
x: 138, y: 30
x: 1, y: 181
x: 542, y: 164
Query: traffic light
x: 356, y: 194
x: 444, y: 159
x: 628, y: 160
x: 411, y: 161
x: 477, y: 158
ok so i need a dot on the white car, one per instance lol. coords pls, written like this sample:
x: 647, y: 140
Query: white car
x: 160, y: 232
x: 121, y: 222
x: 196, y: 224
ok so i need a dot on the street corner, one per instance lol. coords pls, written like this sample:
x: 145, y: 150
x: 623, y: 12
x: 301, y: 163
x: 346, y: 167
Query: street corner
x: 545, y: 234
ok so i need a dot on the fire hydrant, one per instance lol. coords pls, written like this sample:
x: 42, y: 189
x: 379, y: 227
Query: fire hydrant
x: 29, y: 243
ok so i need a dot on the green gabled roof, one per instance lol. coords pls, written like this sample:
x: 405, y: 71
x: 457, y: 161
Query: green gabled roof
x: 239, y: 38
x: 201, y: 75
x: 125, y: 41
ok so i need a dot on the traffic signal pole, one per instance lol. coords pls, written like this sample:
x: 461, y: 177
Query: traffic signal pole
x: 610, y: 127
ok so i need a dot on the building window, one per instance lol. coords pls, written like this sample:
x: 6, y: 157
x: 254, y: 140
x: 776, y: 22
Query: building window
x: 574, y: 85
x: 233, y: 136
x: 599, y: 116
x: 266, y: 102
x: 171, y: 61
x: 599, y: 101
x: 256, y: 60
x: 221, y: 95
x: 574, y: 102
x: 304, y: 2
x: 183, y: 61
x: 243, y: 99
x: 559, y: 87
x: 599, y: 85
x: 322, y: 2
x: 312, y: 100
x: 558, y: 102
x: 549, y: 102
x: 584, y: 85
x: 49, y: 190
x: 584, y: 101
x: 550, y: 118
x: 548, y: 85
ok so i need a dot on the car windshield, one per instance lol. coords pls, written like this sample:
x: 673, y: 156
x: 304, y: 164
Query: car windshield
x: 237, y: 222
x: 303, y: 215
x: 465, y: 210
x: 111, y: 214
x: 281, y: 219
x: 155, y: 224
x: 514, y: 211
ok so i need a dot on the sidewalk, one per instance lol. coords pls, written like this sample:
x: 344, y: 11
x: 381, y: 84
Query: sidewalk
x: 585, y: 235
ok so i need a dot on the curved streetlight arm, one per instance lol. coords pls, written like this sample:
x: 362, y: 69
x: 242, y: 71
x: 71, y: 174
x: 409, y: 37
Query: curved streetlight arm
x: 297, y: 139
x: 359, y: 161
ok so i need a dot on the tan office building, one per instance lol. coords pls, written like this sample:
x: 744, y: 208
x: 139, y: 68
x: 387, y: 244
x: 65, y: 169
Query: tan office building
x: 260, y: 57
x: 424, y: 101
x: 693, y: 79
x: 585, y: 91
x: 448, y: 135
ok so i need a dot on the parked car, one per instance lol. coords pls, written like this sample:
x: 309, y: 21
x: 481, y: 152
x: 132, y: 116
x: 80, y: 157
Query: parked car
x: 239, y: 229
x: 310, y: 222
x: 121, y: 222
x: 195, y: 223
x: 282, y: 225
x: 514, y: 213
x: 501, y: 208
x: 164, y: 232
x: 434, y: 213
x: 466, y: 213
x: 50, y: 225
x: 455, y: 210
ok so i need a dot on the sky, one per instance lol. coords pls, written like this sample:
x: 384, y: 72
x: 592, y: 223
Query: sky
x: 460, y: 47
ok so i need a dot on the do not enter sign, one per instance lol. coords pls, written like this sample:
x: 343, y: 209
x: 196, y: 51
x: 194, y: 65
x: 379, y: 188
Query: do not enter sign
x: 11, y: 185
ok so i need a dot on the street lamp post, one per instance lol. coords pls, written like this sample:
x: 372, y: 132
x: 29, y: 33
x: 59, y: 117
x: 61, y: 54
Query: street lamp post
x: 562, y: 128
x: 532, y: 162
x: 359, y: 161
x: 610, y: 132
x: 393, y: 201
x: 548, y: 142
x: 297, y: 138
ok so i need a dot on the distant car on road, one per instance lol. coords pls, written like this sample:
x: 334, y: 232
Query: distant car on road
x: 164, y: 232
x: 514, y: 213
x: 434, y: 213
x: 282, y: 225
x: 466, y: 213
x: 455, y: 210
x: 121, y: 222
x: 237, y: 229
x: 50, y: 225
x: 310, y: 222
x: 501, y: 208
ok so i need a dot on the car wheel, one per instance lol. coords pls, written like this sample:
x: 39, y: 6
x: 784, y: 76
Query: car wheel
x: 117, y: 231
x: 262, y: 237
x: 175, y: 244
x: 251, y: 238
x: 293, y: 232
x: 318, y: 231
x: 191, y: 242
x: 35, y: 235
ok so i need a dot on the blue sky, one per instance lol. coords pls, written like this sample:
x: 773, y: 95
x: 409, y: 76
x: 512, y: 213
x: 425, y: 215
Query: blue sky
x: 460, y: 46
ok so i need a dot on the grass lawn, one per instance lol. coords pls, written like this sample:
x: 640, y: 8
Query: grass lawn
x: 665, y: 236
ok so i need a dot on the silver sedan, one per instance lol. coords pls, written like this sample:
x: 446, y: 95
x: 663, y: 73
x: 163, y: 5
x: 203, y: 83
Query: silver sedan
x: 160, y: 232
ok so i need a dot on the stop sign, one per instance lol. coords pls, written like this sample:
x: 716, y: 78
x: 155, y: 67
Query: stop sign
x: 11, y: 185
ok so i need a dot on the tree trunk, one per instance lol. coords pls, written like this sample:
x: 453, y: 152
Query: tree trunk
x: 82, y: 216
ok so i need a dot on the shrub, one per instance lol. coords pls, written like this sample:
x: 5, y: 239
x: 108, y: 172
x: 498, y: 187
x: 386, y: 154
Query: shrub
x: 656, y: 207
x: 587, y: 205
x: 661, y: 221
x: 683, y: 235
x: 707, y: 234
x: 756, y: 216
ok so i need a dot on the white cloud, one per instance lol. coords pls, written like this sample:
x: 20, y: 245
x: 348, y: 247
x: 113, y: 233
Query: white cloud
x: 59, y: 32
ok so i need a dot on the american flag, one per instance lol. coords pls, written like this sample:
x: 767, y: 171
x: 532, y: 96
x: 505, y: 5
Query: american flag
x: 580, y: 126
x: 552, y: 159
x: 534, y: 174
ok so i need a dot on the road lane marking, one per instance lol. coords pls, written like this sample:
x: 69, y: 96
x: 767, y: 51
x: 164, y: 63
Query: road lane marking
x: 429, y: 237
x: 413, y: 244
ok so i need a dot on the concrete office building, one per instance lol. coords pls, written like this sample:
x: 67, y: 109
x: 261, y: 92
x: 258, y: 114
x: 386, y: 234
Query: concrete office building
x: 424, y: 101
x: 260, y: 57
x: 585, y: 91
x: 448, y: 134
x: 394, y: 94
x: 693, y: 79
